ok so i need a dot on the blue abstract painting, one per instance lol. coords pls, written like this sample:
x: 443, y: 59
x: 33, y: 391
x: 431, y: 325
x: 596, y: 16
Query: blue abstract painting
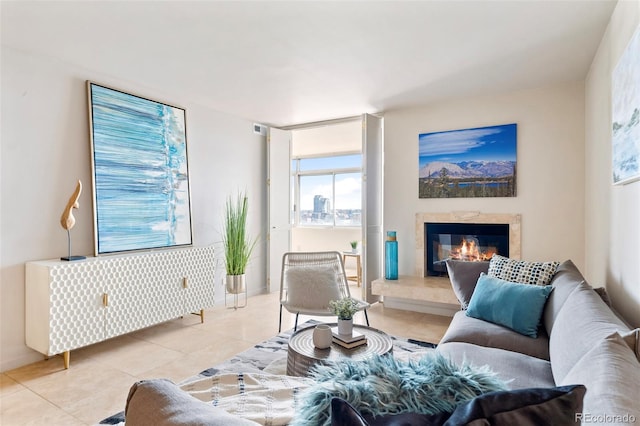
x: 478, y: 162
x: 625, y: 113
x: 140, y: 172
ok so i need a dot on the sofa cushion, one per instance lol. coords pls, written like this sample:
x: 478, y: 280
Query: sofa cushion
x: 463, y: 277
x: 566, y: 279
x: 344, y: 414
x: 602, y: 292
x: 159, y: 402
x: 521, y: 271
x: 514, y: 305
x: 632, y: 339
x: 517, y: 370
x: 472, y: 330
x: 522, y: 407
x: 611, y: 373
x: 583, y: 320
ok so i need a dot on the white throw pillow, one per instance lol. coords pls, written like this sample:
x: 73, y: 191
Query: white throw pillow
x: 312, y: 287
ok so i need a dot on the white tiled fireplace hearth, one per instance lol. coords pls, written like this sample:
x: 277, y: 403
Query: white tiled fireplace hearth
x: 430, y: 294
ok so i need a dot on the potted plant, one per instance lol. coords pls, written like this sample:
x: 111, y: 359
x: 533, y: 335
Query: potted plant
x: 238, y: 246
x: 345, y: 309
x: 354, y: 246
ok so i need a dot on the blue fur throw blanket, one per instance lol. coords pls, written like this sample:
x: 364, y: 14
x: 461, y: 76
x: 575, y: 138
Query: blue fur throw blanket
x: 383, y: 385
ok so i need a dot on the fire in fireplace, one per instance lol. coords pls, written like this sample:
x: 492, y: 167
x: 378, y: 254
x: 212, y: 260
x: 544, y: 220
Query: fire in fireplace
x: 471, y: 242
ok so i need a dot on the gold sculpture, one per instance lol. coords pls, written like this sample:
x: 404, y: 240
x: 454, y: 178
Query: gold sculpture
x: 68, y: 221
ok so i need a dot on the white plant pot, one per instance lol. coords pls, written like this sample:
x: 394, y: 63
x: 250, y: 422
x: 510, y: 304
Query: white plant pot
x: 322, y: 336
x: 345, y: 327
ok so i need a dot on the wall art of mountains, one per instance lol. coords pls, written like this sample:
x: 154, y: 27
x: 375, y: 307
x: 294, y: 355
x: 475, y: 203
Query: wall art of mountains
x: 469, y: 169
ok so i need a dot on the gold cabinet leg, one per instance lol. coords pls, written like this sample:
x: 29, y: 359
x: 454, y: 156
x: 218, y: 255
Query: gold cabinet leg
x: 66, y: 356
x: 200, y: 314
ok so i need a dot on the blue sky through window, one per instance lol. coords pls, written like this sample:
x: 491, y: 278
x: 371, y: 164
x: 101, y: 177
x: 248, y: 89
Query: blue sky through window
x: 328, y: 163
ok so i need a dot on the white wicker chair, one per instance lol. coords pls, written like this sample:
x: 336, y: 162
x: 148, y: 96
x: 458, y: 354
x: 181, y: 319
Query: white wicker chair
x: 310, y: 280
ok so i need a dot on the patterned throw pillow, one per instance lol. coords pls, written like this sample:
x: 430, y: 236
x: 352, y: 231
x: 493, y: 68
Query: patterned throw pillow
x: 520, y: 271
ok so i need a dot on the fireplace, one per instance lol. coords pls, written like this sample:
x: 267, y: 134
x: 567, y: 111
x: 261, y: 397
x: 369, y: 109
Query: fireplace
x: 470, y: 242
x: 473, y: 221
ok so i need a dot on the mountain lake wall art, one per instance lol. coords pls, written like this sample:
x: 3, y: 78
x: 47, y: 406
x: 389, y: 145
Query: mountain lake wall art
x: 479, y: 162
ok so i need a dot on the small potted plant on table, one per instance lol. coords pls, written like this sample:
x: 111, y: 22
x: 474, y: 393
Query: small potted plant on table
x: 354, y: 246
x: 345, y: 309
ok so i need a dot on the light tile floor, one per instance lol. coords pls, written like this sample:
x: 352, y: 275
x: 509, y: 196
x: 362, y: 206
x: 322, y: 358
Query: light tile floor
x: 97, y: 384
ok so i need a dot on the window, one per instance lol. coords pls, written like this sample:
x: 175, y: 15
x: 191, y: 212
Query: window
x: 328, y: 190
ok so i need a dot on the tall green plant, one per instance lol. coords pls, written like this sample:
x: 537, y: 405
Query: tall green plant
x: 238, y: 246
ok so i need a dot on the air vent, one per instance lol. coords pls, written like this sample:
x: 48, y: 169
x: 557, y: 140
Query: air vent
x: 259, y: 129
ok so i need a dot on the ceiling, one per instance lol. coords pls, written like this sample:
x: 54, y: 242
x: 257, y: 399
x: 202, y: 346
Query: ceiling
x: 283, y: 63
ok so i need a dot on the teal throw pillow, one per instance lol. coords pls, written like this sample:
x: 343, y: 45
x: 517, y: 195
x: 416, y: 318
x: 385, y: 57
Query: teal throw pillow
x: 513, y: 305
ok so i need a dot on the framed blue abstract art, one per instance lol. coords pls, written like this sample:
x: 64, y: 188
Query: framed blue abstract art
x: 625, y: 114
x: 141, y: 195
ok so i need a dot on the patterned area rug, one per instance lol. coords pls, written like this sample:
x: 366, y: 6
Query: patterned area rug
x: 270, y: 356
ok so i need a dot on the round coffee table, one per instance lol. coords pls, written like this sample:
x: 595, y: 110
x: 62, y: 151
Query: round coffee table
x: 302, y: 354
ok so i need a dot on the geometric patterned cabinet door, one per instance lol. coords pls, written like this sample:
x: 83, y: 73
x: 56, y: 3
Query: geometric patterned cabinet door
x: 74, y: 304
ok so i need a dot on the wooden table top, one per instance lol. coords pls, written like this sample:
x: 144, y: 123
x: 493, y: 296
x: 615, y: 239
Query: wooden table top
x: 302, y: 354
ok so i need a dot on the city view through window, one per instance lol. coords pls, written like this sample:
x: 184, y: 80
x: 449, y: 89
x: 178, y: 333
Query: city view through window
x: 323, y: 214
x: 332, y: 198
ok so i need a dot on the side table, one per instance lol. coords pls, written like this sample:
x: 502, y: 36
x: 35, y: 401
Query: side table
x: 358, y: 276
x: 302, y: 355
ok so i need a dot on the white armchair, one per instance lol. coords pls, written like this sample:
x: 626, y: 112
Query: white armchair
x: 310, y: 280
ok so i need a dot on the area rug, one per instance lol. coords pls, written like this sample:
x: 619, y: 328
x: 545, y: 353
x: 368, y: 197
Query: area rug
x: 271, y: 356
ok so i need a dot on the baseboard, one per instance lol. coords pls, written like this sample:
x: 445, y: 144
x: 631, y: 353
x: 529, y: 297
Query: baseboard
x: 442, y: 309
x: 21, y: 361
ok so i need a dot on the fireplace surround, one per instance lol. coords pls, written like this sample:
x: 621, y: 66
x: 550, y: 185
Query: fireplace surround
x: 471, y: 224
x: 468, y: 242
x: 433, y: 294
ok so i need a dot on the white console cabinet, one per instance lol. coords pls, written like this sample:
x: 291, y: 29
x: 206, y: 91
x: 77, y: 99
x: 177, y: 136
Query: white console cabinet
x: 74, y: 304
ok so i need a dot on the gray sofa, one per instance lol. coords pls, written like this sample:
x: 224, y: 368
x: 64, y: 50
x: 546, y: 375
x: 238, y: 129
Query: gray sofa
x: 581, y: 340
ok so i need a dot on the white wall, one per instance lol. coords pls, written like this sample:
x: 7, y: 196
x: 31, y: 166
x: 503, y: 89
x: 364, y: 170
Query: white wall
x: 324, y: 239
x: 331, y: 138
x: 550, y: 155
x: 45, y: 149
x: 612, y: 212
